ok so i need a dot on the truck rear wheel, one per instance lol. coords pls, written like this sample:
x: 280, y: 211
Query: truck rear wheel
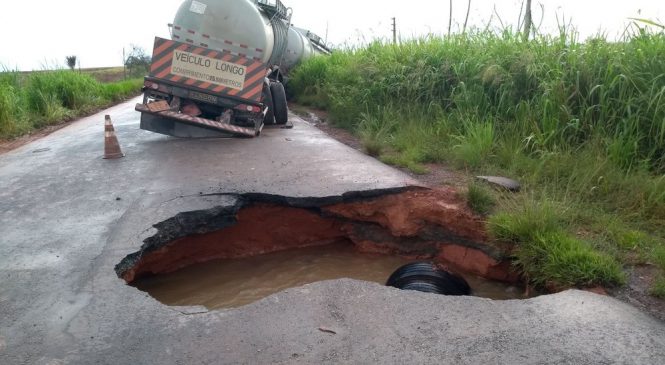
x: 268, y: 101
x: 279, y: 100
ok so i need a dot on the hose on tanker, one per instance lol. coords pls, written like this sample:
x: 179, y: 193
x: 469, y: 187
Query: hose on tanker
x: 281, y: 30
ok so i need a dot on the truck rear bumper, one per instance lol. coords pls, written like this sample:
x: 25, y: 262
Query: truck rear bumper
x: 200, y: 123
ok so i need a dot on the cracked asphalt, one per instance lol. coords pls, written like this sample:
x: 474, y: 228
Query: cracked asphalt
x: 67, y: 217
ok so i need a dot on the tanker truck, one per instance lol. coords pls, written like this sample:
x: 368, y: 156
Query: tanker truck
x: 224, y: 69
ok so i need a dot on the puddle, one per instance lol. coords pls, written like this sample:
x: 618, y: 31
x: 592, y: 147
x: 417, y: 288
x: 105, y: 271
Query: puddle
x: 231, y: 283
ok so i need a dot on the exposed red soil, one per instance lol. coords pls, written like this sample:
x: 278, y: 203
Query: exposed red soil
x: 477, y: 262
x: 407, y: 213
x: 260, y: 229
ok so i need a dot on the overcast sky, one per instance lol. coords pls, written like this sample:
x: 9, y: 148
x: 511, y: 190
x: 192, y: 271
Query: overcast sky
x: 42, y: 32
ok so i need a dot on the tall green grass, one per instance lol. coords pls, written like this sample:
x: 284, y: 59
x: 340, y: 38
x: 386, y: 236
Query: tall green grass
x: 580, y: 124
x: 547, y: 253
x: 554, y: 93
x: 29, y: 101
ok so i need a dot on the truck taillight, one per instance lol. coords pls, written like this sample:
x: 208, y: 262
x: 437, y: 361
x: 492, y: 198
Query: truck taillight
x: 151, y: 85
x: 249, y: 108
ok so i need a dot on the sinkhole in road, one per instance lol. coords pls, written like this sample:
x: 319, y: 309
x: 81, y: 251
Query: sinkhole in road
x: 228, y: 256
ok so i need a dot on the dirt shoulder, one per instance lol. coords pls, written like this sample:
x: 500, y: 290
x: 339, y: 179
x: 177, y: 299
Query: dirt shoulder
x: 437, y: 174
x: 7, y: 145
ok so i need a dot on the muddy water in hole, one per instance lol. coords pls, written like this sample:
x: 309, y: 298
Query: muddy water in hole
x: 233, y: 283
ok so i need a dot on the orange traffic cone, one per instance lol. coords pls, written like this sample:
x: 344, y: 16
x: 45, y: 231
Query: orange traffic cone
x: 111, y: 145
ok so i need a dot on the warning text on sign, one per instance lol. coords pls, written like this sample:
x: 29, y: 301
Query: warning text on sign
x: 208, y: 69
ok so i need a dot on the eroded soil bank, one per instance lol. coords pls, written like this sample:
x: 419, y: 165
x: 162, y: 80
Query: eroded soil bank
x: 410, y: 222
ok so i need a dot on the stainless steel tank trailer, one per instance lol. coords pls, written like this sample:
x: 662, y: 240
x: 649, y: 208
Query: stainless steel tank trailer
x: 223, y: 70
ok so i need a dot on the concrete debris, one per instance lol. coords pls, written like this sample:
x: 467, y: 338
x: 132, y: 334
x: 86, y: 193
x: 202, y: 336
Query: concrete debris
x: 503, y: 182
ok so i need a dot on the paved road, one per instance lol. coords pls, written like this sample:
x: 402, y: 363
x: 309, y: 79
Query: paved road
x: 67, y: 217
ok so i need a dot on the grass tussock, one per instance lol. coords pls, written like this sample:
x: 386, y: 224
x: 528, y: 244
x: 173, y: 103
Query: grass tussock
x: 580, y: 124
x: 33, y: 100
x: 658, y: 289
x: 659, y: 256
x: 480, y: 198
x: 558, y: 258
x: 547, y: 253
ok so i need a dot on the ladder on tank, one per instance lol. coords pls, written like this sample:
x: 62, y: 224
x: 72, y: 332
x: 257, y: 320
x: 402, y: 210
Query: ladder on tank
x: 275, y: 8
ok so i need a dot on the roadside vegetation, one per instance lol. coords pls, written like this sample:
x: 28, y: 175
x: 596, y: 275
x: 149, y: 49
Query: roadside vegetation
x: 32, y: 100
x: 580, y: 124
x: 29, y: 101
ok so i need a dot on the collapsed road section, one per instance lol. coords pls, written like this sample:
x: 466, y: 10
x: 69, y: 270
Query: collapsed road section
x: 414, y: 223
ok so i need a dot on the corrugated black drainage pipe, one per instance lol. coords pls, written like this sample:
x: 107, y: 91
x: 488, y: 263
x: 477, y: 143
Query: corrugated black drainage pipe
x: 429, y: 278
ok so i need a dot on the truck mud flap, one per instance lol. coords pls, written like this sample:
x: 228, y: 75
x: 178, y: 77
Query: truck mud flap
x: 200, y: 122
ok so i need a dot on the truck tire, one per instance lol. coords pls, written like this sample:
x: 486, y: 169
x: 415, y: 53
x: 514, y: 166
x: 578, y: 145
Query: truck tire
x: 430, y: 278
x: 279, y: 100
x: 269, y: 119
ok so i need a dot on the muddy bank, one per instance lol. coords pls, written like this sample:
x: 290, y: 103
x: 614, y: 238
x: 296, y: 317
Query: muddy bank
x: 411, y: 222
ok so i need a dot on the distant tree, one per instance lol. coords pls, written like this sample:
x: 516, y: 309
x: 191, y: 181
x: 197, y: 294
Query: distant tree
x: 138, y: 61
x: 450, y: 18
x: 71, y: 62
x: 528, y: 21
x: 466, y: 20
